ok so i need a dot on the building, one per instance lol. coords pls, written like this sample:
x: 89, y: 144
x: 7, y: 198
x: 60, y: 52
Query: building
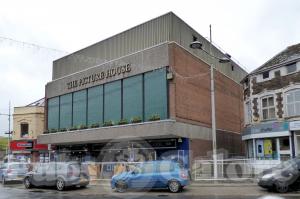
x: 28, y: 123
x: 143, y: 94
x: 272, y: 107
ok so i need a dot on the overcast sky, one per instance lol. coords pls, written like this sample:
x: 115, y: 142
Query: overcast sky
x: 251, y: 31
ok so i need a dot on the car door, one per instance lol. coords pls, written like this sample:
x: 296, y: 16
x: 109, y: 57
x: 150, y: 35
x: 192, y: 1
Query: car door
x: 165, y: 171
x: 38, y: 176
x: 144, y: 178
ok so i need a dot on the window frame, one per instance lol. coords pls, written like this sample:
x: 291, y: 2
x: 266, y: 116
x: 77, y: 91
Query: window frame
x: 286, y: 103
x: 268, y: 107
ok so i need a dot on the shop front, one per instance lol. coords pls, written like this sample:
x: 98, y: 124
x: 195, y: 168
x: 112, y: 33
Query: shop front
x: 176, y: 149
x: 28, y: 151
x: 269, y: 141
x: 295, y: 130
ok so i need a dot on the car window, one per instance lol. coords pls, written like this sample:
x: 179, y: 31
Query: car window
x: 147, y: 168
x: 165, y: 167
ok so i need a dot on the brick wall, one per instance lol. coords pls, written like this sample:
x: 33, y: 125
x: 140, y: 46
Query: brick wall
x: 189, y: 93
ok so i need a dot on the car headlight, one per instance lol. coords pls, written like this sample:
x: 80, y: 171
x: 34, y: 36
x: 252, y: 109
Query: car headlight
x: 268, y: 176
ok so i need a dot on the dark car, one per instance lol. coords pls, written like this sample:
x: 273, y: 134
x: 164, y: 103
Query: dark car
x: 59, y: 175
x: 283, y: 177
x: 153, y: 174
x: 13, y: 171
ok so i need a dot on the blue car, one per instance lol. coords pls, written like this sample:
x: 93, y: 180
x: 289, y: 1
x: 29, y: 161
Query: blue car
x: 152, y: 175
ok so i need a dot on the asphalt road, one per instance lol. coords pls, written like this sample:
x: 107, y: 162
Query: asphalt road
x: 18, y: 192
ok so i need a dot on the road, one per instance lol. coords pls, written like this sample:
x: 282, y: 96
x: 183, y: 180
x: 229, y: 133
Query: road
x: 15, y: 191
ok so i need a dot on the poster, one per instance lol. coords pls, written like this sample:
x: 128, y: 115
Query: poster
x: 268, y: 147
x: 260, y: 148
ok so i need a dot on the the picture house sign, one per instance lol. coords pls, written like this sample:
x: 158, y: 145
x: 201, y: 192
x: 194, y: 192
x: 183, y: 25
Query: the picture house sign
x: 99, y: 76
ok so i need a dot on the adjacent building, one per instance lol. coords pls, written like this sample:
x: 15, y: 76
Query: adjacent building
x: 272, y: 107
x: 28, y: 123
x: 143, y: 94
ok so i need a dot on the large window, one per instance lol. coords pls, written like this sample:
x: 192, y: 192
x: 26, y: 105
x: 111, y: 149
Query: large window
x: 133, y: 97
x: 268, y: 108
x: 53, y: 113
x: 143, y: 96
x: 156, y: 94
x: 79, y: 108
x: 293, y: 102
x: 95, y: 105
x: 65, y: 106
x: 112, y: 101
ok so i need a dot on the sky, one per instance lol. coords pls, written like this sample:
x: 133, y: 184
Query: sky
x: 41, y: 31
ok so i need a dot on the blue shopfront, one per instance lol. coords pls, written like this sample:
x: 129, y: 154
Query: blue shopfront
x: 270, y: 140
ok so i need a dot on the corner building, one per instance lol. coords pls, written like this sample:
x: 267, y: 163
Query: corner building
x: 143, y: 95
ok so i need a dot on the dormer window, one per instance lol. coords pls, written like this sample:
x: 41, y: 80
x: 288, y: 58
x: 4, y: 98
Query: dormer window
x: 290, y: 68
x: 265, y: 75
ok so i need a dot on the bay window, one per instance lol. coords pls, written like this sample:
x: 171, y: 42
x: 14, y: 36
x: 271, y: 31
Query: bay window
x: 293, y: 102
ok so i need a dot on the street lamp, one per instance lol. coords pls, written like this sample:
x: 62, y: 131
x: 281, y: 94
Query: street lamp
x: 198, y: 45
x: 9, y: 132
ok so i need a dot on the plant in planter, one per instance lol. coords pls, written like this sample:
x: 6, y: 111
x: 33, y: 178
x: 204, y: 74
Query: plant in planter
x: 52, y: 130
x: 136, y: 119
x: 96, y: 125
x: 154, y: 117
x: 73, y: 128
x: 82, y: 126
x: 62, y: 130
x: 108, y: 123
x: 122, y: 122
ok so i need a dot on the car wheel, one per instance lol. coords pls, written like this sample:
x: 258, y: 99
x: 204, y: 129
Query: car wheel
x: 60, y: 184
x: 27, y: 183
x: 121, y: 186
x: 281, y: 187
x: 174, y: 186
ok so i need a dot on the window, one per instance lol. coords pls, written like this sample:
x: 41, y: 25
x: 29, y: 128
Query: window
x: 277, y: 73
x: 293, y: 102
x: 265, y: 75
x: 248, y: 117
x: 112, y: 101
x: 79, y: 108
x: 268, y: 108
x: 95, y: 105
x: 195, y: 38
x: 24, y: 130
x: 53, y: 113
x: 65, y: 106
x: 155, y: 85
x: 148, y: 168
x: 291, y: 68
x: 133, y: 97
x: 284, y: 143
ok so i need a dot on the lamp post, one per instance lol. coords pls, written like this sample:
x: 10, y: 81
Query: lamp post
x: 198, y: 45
x: 9, y: 132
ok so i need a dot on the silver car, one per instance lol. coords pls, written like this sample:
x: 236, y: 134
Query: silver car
x: 57, y: 174
x: 13, y: 171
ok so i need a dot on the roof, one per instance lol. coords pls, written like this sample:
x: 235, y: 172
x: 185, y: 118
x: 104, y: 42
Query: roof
x: 287, y: 55
x: 40, y: 102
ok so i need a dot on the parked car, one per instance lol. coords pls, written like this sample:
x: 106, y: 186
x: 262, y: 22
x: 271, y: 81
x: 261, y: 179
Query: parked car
x: 150, y: 175
x: 59, y: 175
x: 283, y: 177
x: 13, y: 171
